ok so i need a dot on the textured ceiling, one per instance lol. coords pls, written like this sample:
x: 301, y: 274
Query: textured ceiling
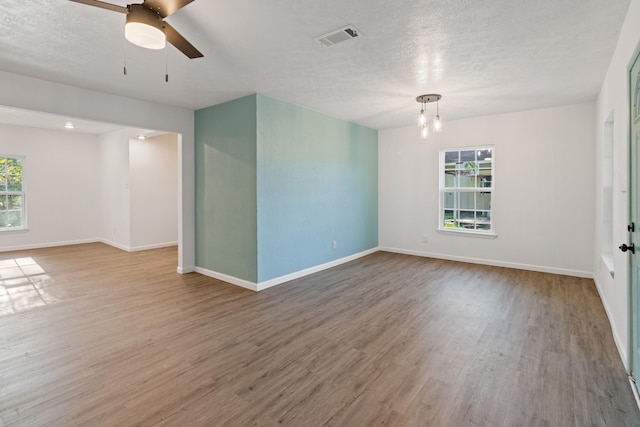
x: 484, y: 56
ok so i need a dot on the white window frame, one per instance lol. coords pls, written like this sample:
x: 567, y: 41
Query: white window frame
x: 21, y: 193
x: 491, y: 233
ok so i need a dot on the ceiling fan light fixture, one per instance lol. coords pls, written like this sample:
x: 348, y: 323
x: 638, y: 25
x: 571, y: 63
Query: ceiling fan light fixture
x: 144, y: 28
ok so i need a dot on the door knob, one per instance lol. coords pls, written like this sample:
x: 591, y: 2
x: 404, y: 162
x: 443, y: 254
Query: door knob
x: 624, y: 248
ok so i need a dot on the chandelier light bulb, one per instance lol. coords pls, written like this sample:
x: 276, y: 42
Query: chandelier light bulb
x: 437, y: 124
x: 424, y: 132
x: 422, y: 120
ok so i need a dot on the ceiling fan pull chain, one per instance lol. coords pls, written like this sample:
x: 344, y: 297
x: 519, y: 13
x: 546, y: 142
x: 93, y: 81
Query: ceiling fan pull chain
x: 166, y: 65
x: 125, y: 57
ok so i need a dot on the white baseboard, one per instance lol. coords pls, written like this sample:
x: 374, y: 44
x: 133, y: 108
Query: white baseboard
x: 226, y: 278
x: 282, y: 279
x: 47, y: 245
x: 184, y: 270
x: 137, y: 248
x: 114, y: 244
x: 634, y: 388
x: 616, y: 338
x: 496, y: 263
x: 307, y: 271
x: 85, y: 241
x: 156, y: 246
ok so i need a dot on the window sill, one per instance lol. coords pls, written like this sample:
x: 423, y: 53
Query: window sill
x: 465, y: 233
x: 14, y: 230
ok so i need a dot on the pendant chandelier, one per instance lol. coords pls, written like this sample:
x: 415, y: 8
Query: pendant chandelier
x: 423, y: 123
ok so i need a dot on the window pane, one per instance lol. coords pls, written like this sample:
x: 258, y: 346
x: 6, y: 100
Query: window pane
x: 451, y: 156
x: 467, y: 179
x: 450, y: 217
x: 449, y: 200
x: 3, y: 182
x: 483, y: 220
x: 485, y: 164
x: 467, y: 219
x: 3, y: 203
x: 467, y: 215
x: 451, y: 179
x: 14, y: 165
x: 15, y: 202
x: 467, y: 200
x: 483, y: 216
x: 468, y: 156
x: 3, y: 165
x: 485, y: 180
x: 3, y: 219
x: 14, y: 182
x: 483, y: 201
x: 460, y: 178
x: 485, y: 154
x: 14, y: 218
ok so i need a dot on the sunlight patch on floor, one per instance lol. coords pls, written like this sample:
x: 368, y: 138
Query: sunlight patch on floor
x: 23, y: 286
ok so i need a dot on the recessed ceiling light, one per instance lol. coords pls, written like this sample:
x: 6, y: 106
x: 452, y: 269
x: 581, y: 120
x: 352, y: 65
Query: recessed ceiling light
x: 142, y: 136
x: 69, y: 125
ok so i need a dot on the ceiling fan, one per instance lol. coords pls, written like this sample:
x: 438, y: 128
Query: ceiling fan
x: 146, y: 26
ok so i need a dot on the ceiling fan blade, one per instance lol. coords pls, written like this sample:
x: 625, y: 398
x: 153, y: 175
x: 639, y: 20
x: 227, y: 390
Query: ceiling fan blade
x: 103, y: 5
x: 176, y: 39
x: 165, y: 8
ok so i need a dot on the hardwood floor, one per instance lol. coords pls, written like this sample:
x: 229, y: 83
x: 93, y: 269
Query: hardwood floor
x: 92, y: 336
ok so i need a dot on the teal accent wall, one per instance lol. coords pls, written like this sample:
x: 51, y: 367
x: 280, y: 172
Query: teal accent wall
x: 317, y: 182
x: 276, y: 184
x: 225, y: 151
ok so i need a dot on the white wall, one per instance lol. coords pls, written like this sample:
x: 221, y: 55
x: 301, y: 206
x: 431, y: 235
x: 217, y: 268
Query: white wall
x: 115, y: 218
x: 86, y: 188
x: 543, y: 197
x: 613, y: 97
x: 61, y: 181
x: 39, y: 95
x: 153, y: 172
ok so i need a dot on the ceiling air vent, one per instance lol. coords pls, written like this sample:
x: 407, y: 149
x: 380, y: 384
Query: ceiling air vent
x: 338, y: 36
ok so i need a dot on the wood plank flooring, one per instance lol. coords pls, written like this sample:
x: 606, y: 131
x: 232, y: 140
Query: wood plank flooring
x: 93, y: 336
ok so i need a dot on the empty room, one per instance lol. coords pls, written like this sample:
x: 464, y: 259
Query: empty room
x: 250, y: 213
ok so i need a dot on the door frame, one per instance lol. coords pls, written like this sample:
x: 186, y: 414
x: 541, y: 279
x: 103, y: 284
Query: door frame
x: 631, y: 350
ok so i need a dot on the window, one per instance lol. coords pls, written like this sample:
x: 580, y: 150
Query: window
x: 466, y: 190
x: 12, y: 193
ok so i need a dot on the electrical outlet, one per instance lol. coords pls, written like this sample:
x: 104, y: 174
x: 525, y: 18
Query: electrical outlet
x: 334, y: 245
x: 425, y: 239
